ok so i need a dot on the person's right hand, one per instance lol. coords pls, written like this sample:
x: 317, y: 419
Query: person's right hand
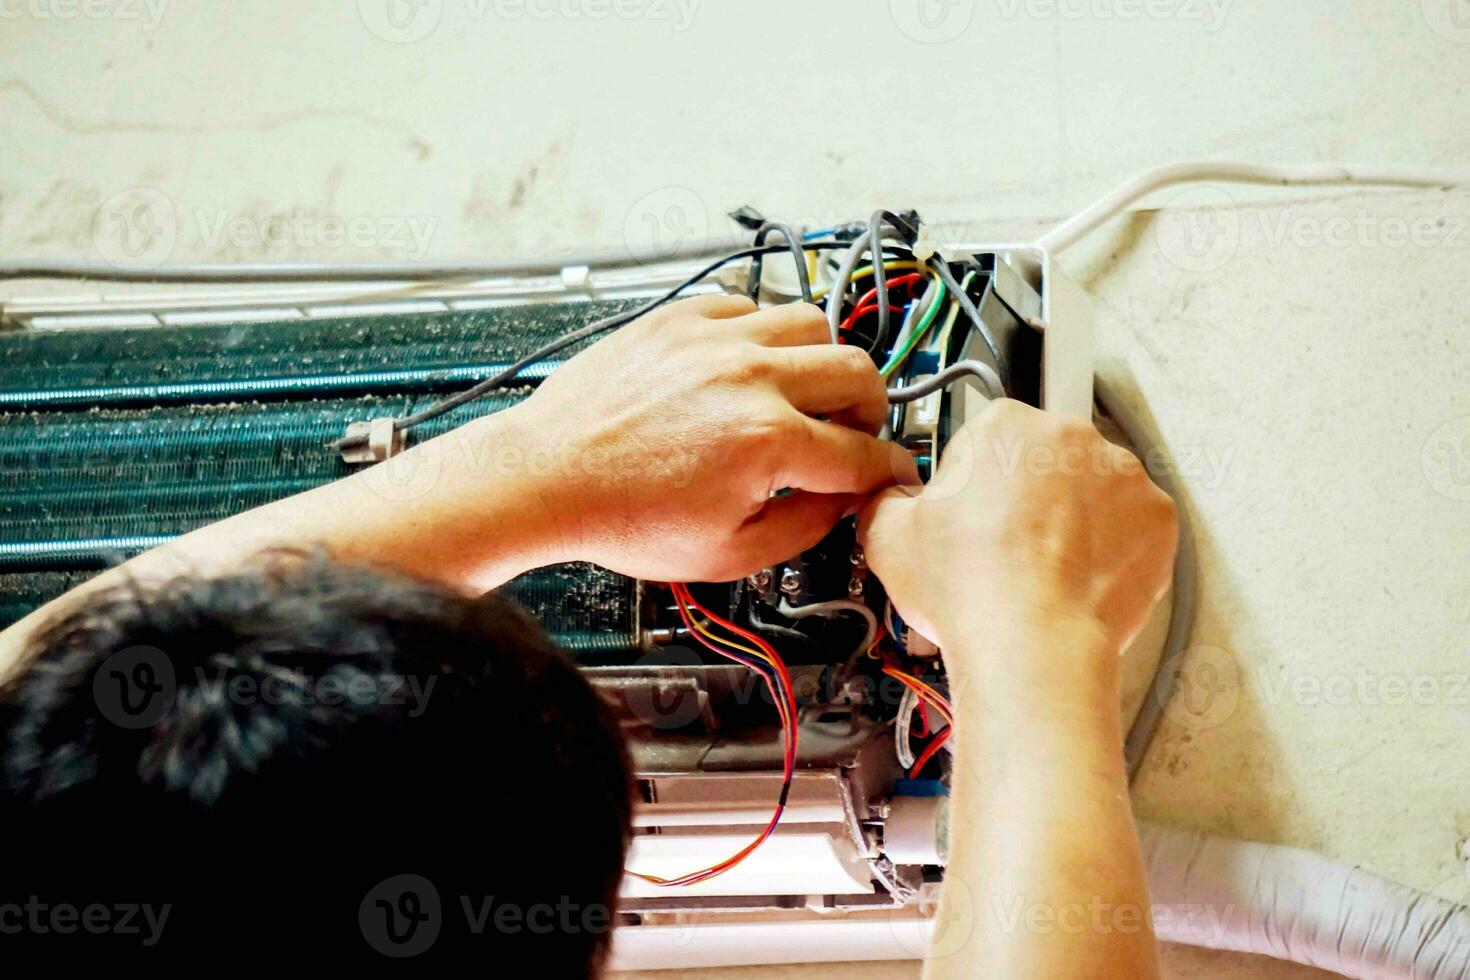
x: 1032, y: 518
x: 668, y: 438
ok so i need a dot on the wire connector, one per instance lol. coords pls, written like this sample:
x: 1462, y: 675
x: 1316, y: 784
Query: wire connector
x: 384, y: 440
x: 924, y: 247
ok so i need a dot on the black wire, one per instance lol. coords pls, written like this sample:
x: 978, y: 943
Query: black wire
x: 880, y: 275
x: 797, y: 253
x: 566, y: 340
x: 877, y: 342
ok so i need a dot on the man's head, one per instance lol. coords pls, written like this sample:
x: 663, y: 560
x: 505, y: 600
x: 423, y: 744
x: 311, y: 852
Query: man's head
x: 311, y: 749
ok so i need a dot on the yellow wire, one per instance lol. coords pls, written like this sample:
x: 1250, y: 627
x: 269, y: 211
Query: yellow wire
x: 867, y: 270
x: 949, y: 320
x: 723, y: 641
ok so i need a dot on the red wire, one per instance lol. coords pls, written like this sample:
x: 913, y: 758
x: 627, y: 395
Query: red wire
x: 930, y: 751
x: 924, y: 717
x: 759, y: 641
x: 862, y: 311
x: 782, y: 707
x: 872, y: 295
x: 867, y: 303
x: 786, y: 707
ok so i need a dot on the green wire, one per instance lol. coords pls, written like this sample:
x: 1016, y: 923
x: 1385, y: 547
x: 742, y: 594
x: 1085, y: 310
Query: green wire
x: 925, y: 323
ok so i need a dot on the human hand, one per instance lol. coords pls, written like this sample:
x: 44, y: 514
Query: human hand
x: 666, y: 440
x: 1032, y: 519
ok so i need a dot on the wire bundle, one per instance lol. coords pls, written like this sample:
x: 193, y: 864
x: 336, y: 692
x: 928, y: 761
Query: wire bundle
x: 927, y: 695
x: 762, y: 658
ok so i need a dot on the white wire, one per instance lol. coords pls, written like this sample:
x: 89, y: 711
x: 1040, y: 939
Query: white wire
x: 935, y: 382
x: 902, y: 727
x: 1069, y: 232
x: 832, y: 608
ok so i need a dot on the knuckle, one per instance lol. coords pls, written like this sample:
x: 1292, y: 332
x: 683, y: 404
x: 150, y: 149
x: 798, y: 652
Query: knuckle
x: 656, y: 321
x: 749, y: 367
x: 858, y: 359
x: 853, y: 360
x: 810, y: 321
x: 721, y: 304
x: 1166, y: 509
x: 770, y: 427
x: 739, y: 304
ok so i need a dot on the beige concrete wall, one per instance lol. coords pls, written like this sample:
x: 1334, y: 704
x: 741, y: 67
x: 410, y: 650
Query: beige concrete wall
x: 1314, y: 386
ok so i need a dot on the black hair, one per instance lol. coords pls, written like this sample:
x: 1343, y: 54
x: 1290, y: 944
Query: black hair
x: 354, y: 760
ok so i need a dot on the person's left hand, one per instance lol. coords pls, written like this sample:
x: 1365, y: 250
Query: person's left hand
x: 664, y: 443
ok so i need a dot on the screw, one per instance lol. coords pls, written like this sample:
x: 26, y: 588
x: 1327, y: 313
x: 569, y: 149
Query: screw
x: 761, y: 580
x: 791, y: 581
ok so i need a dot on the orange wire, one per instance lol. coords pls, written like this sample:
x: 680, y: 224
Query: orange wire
x: 785, y: 707
x: 940, y: 704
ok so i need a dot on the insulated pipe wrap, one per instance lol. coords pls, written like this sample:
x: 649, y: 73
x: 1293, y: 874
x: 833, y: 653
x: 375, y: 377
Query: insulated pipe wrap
x: 1295, y: 905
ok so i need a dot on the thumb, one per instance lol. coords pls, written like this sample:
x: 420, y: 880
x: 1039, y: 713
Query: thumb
x: 879, y: 520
